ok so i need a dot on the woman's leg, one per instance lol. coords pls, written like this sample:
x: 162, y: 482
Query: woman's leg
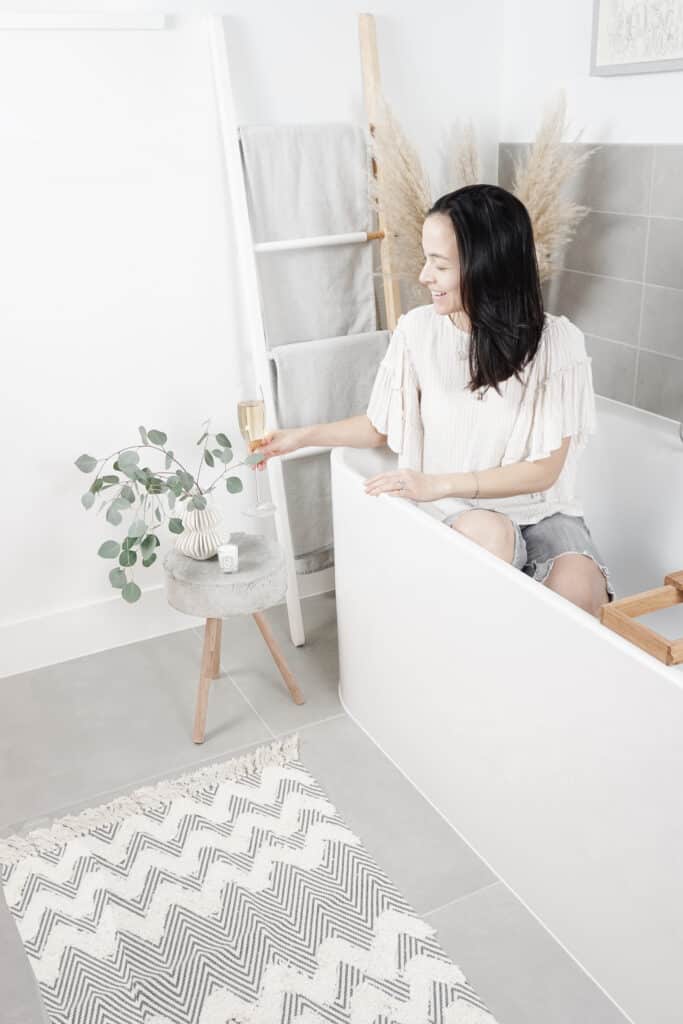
x: 562, y: 555
x: 492, y: 530
x: 579, y: 579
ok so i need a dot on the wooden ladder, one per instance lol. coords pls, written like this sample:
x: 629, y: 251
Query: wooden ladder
x: 297, y: 588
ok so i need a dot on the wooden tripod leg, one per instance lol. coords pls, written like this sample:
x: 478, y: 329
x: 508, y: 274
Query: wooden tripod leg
x: 211, y: 641
x: 216, y: 670
x: 290, y: 681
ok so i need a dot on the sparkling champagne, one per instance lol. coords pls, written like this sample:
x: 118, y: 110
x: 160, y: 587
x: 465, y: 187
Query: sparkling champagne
x: 251, y: 416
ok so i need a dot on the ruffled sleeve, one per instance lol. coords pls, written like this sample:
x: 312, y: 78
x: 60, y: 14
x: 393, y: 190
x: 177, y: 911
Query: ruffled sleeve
x: 559, y: 400
x: 394, y: 406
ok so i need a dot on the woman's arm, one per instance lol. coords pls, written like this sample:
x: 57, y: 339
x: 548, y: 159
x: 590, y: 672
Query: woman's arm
x: 355, y: 432
x: 505, y: 481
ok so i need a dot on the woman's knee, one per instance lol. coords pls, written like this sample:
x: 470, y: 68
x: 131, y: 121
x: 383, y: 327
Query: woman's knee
x: 579, y: 579
x: 491, y: 530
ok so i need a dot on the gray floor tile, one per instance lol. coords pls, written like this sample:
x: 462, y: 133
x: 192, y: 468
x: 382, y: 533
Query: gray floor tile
x: 518, y: 969
x: 422, y: 855
x: 248, y: 662
x: 21, y: 1002
x: 73, y: 731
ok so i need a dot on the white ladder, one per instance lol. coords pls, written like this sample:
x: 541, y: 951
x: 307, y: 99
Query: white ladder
x: 246, y: 258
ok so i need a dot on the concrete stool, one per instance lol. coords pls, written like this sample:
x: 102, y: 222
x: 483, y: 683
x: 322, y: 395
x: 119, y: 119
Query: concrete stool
x: 201, y: 588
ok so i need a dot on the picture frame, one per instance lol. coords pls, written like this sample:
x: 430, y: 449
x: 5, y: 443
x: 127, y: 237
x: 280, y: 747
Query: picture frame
x: 632, y: 37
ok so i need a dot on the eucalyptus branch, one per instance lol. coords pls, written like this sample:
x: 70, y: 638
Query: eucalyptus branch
x: 139, y: 489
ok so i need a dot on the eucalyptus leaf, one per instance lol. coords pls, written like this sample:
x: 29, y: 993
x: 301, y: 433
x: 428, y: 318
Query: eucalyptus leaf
x: 117, y: 578
x: 204, y: 435
x: 150, y: 560
x: 110, y: 478
x: 88, y: 499
x: 225, y: 455
x: 148, y: 544
x: 129, y: 542
x: 131, y: 592
x: 96, y: 485
x: 113, y: 516
x: 128, y: 557
x: 198, y: 502
x: 222, y: 440
x: 208, y: 458
x: 128, y: 494
x: 86, y: 463
x: 157, y: 515
x: 143, y: 434
x: 138, y: 528
x: 234, y: 484
x: 175, y: 525
x: 186, y: 479
x: 157, y: 437
x: 109, y: 549
x: 255, y: 458
x: 168, y: 460
x: 128, y: 458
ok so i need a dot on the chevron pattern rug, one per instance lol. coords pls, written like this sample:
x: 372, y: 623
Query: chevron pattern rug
x: 233, y: 895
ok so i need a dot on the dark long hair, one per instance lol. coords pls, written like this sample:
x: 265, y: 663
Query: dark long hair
x: 500, y: 288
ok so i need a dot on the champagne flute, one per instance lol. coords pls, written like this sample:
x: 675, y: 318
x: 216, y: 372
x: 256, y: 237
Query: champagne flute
x: 251, y: 416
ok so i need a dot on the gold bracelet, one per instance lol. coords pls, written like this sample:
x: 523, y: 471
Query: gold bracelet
x: 476, y: 480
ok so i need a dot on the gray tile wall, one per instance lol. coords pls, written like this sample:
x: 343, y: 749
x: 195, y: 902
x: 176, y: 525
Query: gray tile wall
x: 621, y: 280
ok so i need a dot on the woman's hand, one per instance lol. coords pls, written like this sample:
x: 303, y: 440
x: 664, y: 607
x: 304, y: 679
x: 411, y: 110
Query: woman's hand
x: 279, y: 442
x: 418, y: 486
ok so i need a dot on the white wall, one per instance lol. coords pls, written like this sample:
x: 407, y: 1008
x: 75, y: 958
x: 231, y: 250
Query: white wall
x: 118, y: 304
x: 547, y: 45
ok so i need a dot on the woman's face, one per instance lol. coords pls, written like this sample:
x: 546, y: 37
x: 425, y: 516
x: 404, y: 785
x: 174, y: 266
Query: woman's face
x: 441, y: 272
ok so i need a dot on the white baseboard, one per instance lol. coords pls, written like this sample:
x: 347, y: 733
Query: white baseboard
x: 74, y: 632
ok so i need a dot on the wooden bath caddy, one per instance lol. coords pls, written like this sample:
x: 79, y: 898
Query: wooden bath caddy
x: 619, y: 616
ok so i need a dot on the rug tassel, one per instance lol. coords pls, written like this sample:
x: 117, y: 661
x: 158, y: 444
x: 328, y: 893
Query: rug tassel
x: 14, y: 848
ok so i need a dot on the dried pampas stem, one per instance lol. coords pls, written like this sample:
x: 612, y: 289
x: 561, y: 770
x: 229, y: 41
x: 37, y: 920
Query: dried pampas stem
x: 464, y: 159
x: 538, y: 183
x: 402, y: 192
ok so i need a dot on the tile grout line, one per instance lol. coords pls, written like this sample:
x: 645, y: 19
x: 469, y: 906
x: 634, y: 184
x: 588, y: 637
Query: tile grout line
x: 465, y: 896
x: 644, y: 273
x: 248, y: 702
x: 634, y: 348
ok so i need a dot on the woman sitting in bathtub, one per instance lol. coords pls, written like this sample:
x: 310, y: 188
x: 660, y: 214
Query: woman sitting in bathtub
x: 486, y: 399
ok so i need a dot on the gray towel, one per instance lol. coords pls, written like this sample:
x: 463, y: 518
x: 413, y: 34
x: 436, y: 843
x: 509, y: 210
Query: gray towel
x: 302, y: 181
x: 316, y: 382
x: 327, y: 379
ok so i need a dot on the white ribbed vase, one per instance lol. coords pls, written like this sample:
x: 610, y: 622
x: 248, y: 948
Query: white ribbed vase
x: 201, y: 533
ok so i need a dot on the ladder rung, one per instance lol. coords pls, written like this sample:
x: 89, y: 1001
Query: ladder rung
x: 301, y: 453
x: 318, y: 241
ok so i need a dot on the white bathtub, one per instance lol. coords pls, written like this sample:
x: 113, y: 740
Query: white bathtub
x: 552, y: 745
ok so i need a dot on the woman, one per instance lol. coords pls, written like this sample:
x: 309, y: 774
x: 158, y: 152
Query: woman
x: 487, y: 400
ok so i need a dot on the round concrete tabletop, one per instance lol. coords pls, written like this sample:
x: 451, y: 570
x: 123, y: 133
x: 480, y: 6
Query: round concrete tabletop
x: 201, y: 588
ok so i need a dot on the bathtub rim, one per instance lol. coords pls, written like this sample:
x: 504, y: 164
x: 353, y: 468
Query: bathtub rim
x: 402, y: 507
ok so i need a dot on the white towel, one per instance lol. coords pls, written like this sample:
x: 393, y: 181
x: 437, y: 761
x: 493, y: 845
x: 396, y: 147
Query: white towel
x: 303, y: 181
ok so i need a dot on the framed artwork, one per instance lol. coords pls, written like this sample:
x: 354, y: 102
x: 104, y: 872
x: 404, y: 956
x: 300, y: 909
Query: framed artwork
x: 635, y: 36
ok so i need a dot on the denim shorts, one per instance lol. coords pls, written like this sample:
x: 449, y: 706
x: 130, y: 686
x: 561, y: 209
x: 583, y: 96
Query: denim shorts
x: 539, y: 544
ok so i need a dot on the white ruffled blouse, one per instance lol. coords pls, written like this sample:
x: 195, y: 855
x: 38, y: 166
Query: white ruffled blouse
x: 435, y: 424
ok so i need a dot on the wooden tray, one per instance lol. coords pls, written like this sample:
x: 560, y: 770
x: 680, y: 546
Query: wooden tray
x: 620, y: 615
